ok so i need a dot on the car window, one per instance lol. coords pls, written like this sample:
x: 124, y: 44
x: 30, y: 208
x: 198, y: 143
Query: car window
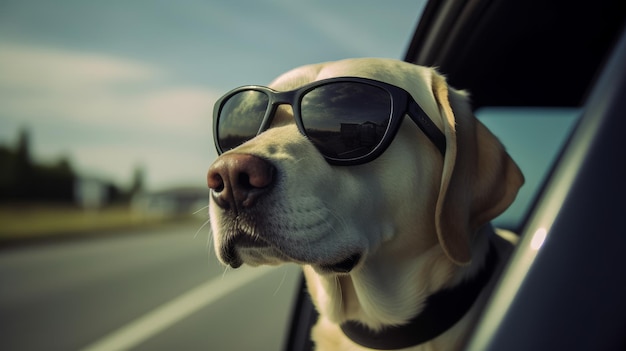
x: 533, y: 136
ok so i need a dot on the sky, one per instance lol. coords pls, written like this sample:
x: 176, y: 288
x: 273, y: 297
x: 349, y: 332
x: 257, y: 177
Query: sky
x: 116, y: 85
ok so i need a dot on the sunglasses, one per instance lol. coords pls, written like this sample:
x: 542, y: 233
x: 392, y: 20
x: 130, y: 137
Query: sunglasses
x: 350, y: 120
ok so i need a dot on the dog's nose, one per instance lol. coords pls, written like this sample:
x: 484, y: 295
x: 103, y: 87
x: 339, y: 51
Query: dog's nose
x: 238, y: 180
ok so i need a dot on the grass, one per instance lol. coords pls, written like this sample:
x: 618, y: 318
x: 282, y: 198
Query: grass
x: 40, y: 220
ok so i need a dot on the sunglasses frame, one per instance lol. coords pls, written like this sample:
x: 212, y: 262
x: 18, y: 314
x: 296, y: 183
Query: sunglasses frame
x: 401, y: 103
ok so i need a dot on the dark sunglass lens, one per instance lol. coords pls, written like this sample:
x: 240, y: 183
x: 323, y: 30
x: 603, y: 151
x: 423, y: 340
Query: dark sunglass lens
x: 346, y: 120
x: 240, y: 118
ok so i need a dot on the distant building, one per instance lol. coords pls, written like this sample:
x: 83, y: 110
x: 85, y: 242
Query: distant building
x: 91, y: 193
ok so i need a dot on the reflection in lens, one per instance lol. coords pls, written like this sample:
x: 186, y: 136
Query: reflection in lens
x: 346, y: 120
x: 240, y: 118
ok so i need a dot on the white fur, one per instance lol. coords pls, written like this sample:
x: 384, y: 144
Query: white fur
x: 399, y: 211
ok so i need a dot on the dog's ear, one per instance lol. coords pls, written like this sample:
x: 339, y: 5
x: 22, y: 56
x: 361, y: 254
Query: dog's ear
x: 479, y: 179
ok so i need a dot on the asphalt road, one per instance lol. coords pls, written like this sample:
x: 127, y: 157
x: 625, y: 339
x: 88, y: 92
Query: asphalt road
x: 157, y: 289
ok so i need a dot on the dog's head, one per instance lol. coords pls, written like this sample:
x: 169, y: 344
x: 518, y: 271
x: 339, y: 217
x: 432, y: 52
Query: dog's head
x: 276, y: 198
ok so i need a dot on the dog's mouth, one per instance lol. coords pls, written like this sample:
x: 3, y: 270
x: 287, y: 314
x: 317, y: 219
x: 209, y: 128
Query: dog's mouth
x: 239, y: 241
x: 232, y: 257
x: 344, y: 266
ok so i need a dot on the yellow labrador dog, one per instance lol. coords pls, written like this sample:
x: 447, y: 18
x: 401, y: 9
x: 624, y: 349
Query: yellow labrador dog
x: 374, y: 175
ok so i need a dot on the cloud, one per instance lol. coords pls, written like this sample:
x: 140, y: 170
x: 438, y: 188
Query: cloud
x: 94, y: 89
x: 107, y: 113
x: 28, y: 66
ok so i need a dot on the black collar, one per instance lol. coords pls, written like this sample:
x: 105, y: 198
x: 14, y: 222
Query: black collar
x: 443, y: 309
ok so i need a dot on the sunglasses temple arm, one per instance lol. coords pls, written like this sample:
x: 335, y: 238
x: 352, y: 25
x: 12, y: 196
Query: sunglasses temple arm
x: 427, y: 126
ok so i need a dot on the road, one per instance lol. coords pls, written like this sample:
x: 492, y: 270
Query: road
x: 157, y: 289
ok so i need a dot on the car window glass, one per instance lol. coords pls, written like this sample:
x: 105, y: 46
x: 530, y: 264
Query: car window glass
x: 533, y: 136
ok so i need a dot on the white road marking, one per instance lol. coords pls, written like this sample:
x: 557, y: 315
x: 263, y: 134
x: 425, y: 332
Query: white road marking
x: 177, y: 309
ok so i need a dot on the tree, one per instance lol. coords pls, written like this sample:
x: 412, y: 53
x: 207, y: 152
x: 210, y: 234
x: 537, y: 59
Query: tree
x: 23, y: 161
x: 138, y: 181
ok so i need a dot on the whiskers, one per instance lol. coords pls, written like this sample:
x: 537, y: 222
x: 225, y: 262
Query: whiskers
x: 337, y: 287
x: 207, y: 222
x: 227, y: 269
x: 210, y: 232
x: 205, y: 225
x: 201, y: 209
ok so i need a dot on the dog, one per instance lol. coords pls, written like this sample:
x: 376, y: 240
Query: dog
x: 395, y: 244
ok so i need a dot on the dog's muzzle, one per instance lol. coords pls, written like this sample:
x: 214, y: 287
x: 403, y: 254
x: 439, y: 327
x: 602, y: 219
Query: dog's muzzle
x: 239, y: 185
